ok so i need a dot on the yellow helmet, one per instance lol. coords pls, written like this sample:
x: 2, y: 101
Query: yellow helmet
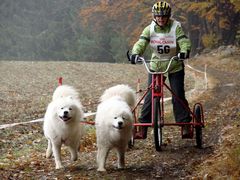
x: 161, y: 8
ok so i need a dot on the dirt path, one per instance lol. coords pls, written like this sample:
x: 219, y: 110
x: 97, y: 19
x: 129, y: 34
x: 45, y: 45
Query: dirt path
x: 23, y: 148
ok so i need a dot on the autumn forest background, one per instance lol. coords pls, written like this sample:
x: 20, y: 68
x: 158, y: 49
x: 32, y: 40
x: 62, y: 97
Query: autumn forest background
x: 103, y: 30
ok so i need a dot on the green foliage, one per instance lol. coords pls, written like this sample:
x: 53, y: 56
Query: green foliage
x: 38, y: 30
x: 118, y: 48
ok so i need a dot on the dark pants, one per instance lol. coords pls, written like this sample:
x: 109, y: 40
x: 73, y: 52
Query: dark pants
x: 181, y: 114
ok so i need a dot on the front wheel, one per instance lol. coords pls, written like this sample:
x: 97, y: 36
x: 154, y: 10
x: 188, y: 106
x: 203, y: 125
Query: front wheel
x: 198, y: 128
x: 157, y: 126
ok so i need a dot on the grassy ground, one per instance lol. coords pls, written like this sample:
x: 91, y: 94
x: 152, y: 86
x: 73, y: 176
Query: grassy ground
x: 26, y: 89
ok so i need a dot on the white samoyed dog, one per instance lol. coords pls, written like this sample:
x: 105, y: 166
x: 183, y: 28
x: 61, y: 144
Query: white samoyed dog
x: 62, y: 123
x: 114, y: 124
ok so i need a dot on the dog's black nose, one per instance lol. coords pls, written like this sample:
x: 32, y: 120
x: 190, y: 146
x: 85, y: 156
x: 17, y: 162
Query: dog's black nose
x: 120, y: 123
x: 65, y: 112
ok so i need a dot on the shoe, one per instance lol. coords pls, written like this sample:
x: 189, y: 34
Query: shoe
x: 186, y: 131
x: 142, y: 133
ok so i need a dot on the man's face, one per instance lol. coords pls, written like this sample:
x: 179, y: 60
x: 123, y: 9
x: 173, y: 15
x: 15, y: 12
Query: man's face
x: 161, y: 20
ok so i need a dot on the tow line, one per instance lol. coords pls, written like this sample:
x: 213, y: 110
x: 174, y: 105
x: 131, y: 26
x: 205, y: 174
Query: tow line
x: 86, y: 115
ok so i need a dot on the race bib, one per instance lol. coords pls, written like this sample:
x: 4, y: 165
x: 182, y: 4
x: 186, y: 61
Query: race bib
x: 164, y: 44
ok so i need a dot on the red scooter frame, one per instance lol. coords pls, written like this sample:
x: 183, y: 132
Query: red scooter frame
x: 157, y: 122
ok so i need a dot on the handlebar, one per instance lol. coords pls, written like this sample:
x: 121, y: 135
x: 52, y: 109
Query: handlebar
x: 141, y: 60
x: 145, y: 62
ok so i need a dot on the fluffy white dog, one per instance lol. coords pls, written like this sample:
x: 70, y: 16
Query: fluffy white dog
x: 114, y: 123
x: 62, y: 123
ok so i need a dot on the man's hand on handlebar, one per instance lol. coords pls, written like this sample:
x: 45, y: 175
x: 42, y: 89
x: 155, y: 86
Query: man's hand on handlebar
x: 183, y: 55
x: 134, y: 58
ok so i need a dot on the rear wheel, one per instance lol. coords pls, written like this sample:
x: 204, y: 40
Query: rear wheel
x: 198, y: 128
x: 157, y: 126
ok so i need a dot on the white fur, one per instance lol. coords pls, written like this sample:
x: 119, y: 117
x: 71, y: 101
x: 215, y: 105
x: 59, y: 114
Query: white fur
x: 114, y: 123
x: 62, y: 124
x: 125, y: 91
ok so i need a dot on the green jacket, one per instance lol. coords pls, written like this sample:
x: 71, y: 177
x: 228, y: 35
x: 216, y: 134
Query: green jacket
x: 183, y: 45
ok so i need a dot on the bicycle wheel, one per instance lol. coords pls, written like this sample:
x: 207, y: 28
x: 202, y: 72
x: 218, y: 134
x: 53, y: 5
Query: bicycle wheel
x: 157, y: 126
x: 198, y: 128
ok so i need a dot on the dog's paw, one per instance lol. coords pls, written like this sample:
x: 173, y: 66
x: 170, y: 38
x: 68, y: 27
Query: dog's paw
x: 48, y: 154
x: 101, y: 169
x: 74, y: 155
x: 74, y: 158
x: 120, y: 166
x: 59, y: 166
